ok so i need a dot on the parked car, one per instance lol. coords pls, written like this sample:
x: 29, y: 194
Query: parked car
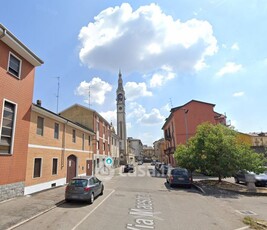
x: 84, y: 188
x: 128, y: 168
x: 178, y: 176
x: 260, y: 179
x: 164, y: 169
x: 140, y: 162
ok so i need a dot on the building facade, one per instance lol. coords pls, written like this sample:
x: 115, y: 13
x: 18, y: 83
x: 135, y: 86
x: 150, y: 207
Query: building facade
x: 92, y: 120
x: 136, y: 147
x: 121, y: 121
x: 59, y: 150
x: 148, y: 153
x: 183, y: 121
x: 159, y: 147
x: 115, y: 150
x: 17, y: 70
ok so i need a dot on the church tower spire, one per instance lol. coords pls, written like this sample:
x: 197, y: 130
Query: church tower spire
x: 121, y: 120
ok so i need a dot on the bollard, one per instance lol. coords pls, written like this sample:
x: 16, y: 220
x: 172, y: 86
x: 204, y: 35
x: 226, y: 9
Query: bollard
x: 250, y: 179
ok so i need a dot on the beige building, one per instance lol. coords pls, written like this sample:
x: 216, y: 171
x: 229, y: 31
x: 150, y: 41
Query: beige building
x: 148, y: 153
x: 58, y: 150
x: 92, y: 120
x: 259, y: 139
x: 159, y: 147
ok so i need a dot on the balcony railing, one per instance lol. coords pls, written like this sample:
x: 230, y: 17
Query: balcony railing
x: 169, y: 150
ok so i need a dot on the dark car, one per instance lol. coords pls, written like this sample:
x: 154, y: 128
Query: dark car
x: 128, y: 168
x: 178, y: 176
x: 260, y: 179
x: 84, y: 188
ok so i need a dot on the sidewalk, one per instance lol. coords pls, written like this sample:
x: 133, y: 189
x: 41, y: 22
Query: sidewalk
x: 19, y: 209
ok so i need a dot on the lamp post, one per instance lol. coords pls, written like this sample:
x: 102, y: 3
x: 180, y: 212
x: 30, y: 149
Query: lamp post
x: 185, y: 121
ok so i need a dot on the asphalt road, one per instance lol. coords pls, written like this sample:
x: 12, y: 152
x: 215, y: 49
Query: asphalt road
x: 142, y: 200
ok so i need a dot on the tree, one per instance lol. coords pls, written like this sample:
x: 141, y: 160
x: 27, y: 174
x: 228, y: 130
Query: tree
x: 217, y: 150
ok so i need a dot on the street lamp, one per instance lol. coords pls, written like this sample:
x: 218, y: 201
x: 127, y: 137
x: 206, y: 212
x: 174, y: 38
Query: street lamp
x: 185, y: 120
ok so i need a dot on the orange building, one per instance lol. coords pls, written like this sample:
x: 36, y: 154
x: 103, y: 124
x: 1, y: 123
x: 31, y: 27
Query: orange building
x: 59, y: 149
x: 17, y: 69
x: 183, y: 121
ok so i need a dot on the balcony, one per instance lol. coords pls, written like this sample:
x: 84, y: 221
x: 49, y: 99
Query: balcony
x: 169, y: 150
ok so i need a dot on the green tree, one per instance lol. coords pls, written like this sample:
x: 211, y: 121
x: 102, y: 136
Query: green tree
x: 217, y: 150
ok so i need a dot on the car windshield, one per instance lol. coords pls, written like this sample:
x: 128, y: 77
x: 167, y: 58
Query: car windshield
x: 179, y: 172
x: 78, y: 182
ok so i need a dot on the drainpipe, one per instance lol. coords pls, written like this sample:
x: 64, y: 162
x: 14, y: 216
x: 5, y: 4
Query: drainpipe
x: 3, y: 34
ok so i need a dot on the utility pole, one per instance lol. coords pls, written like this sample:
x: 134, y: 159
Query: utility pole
x: 58, y: 85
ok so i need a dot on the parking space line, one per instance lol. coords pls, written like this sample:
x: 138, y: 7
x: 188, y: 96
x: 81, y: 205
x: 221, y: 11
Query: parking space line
x: 93, y: 210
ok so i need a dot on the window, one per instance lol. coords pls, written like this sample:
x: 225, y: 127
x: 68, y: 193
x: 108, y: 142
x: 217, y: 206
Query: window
x: 74, y: 136
x: 56, y: 131
x: 14, y: 65
x: 7, y: 130
x: 37, y: 167
x: 40, y: 126
x: 54, y: 166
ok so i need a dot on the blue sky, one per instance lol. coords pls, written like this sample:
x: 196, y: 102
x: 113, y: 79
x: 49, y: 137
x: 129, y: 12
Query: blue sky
x: 169, y: 53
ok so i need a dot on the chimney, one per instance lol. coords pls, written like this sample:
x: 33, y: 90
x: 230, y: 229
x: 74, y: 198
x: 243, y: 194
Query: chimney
x: 39, y: 102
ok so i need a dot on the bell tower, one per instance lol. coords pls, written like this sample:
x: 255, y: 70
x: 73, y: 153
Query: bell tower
x: 121, y: 121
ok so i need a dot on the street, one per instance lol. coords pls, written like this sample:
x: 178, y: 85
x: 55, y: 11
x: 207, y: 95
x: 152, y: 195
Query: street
x: 142, y: 200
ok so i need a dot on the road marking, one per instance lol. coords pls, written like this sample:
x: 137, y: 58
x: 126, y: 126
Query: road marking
x: 243, y: 228
x: 93, y: 210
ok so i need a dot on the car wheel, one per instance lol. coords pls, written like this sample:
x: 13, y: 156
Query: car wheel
x: 92, y: 198
x: 67, y: 200
x: 102, y: 191
x: 236, y: 180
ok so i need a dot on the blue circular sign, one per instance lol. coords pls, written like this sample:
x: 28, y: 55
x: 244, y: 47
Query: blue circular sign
x: 109, y: 161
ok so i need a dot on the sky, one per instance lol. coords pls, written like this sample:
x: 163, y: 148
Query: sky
x: 169, y: 53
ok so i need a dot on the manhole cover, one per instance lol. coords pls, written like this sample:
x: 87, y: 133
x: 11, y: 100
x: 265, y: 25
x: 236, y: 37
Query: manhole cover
x: 246, y: 212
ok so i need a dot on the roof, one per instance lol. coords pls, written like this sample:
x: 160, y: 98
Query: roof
x: 182, y: 106
x: 13, y: 42
x: 56, y: 116
x: 81, y: 106
x: 179, y: 107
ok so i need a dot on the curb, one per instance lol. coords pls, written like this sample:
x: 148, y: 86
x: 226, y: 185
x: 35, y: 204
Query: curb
x: 199, y: 188
x: 35, y: 216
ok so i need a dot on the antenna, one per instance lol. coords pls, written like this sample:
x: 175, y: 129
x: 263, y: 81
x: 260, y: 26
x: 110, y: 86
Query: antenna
x: 89, y: 96
x: 171, y: 102
x: 58, y: 85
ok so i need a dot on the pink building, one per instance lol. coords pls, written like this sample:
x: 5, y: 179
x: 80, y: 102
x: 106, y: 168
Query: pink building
x: 183, y: 121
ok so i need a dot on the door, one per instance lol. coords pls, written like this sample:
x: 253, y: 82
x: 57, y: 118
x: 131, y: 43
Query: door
x: 89, y: 167
x: 71, y: 167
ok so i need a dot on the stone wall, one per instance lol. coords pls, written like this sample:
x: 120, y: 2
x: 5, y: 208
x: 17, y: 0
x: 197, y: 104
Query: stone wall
x: 9, y: 191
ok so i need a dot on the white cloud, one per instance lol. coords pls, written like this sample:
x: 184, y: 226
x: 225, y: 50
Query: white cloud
x: 110, y: 116
x: 229, y: 68
x: 98, y: 90
x: 235, y: 46
x: 134, y: 90
x: 145, y: 39
x: 137, y: 111
x: 238, y: 94
x: 160, y: 78
x: 154, y: 117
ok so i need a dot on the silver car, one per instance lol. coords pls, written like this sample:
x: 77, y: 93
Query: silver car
x: 84, y: 188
